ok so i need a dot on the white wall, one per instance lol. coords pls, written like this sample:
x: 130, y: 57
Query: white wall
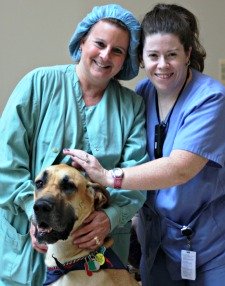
x: 36, y: 33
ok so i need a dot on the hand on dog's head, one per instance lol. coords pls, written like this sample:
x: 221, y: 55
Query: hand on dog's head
x: 62, y: 200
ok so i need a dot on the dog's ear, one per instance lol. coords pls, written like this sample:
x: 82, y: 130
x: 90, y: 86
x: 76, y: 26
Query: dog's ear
x: 101, y: 195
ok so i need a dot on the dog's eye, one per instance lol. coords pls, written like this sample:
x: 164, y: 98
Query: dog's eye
x: 39, y: 184
x: 67, y: 186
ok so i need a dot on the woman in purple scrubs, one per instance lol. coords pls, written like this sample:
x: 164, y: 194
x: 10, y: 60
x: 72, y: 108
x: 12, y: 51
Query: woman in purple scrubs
x: 181, y: 225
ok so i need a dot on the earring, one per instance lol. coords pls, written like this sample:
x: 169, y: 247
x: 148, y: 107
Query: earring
x: 188, y: 63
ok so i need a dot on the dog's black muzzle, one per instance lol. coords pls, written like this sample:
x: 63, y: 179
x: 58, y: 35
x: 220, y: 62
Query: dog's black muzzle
x: 54, y: 219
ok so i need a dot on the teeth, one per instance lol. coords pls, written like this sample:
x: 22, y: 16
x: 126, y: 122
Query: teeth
x: 101, y: 65
x: 163, y: 76
x: 44, y: 230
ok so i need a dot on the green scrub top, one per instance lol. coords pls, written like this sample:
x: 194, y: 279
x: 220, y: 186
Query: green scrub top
x: 45, y: 114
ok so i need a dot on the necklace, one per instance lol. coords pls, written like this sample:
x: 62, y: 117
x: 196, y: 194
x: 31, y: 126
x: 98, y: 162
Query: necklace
x: 162, y: 127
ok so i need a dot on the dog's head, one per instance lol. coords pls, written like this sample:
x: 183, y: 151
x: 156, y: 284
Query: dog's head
x: 62, y: 200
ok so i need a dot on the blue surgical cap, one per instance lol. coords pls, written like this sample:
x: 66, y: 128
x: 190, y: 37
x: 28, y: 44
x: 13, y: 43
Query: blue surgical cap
x: 131, y: 64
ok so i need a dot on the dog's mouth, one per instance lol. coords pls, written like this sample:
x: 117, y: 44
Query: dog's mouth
x: 53, y: 219
x: 46, y: 234
x: 54, y: 224
x: 44, y: 229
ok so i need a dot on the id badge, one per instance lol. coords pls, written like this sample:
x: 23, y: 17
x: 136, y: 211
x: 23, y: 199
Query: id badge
x: 188, y: 264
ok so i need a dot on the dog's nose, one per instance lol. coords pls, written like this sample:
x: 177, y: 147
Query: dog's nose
x: 43, y: 206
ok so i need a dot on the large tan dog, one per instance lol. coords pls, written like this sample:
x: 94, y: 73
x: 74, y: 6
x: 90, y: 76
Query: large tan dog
x: 63, y: 199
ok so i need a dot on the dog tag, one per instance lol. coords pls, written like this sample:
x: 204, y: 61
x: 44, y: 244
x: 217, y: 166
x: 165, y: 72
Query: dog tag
x: 89, y: 273
x: 97, y: 265
x: 108, y: 262
x: 93, y: 265
x: 102, y: 249
x: 100, y: 258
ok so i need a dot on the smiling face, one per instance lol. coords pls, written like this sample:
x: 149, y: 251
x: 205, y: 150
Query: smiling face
x: 165, y: 62
x: 104, y: 50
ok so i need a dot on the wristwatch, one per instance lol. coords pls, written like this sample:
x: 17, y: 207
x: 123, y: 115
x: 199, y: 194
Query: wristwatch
x: 117, y: 174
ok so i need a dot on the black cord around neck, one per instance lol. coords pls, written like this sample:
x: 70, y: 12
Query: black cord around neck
x: 162, y: 127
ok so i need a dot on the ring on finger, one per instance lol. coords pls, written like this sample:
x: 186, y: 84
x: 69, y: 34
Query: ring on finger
x: 97, y: 241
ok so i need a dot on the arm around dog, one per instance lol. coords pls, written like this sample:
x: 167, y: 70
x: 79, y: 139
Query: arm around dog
x: 176, y: 169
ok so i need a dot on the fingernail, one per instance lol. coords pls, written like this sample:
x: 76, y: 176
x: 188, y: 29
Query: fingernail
x: 66, y: 149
